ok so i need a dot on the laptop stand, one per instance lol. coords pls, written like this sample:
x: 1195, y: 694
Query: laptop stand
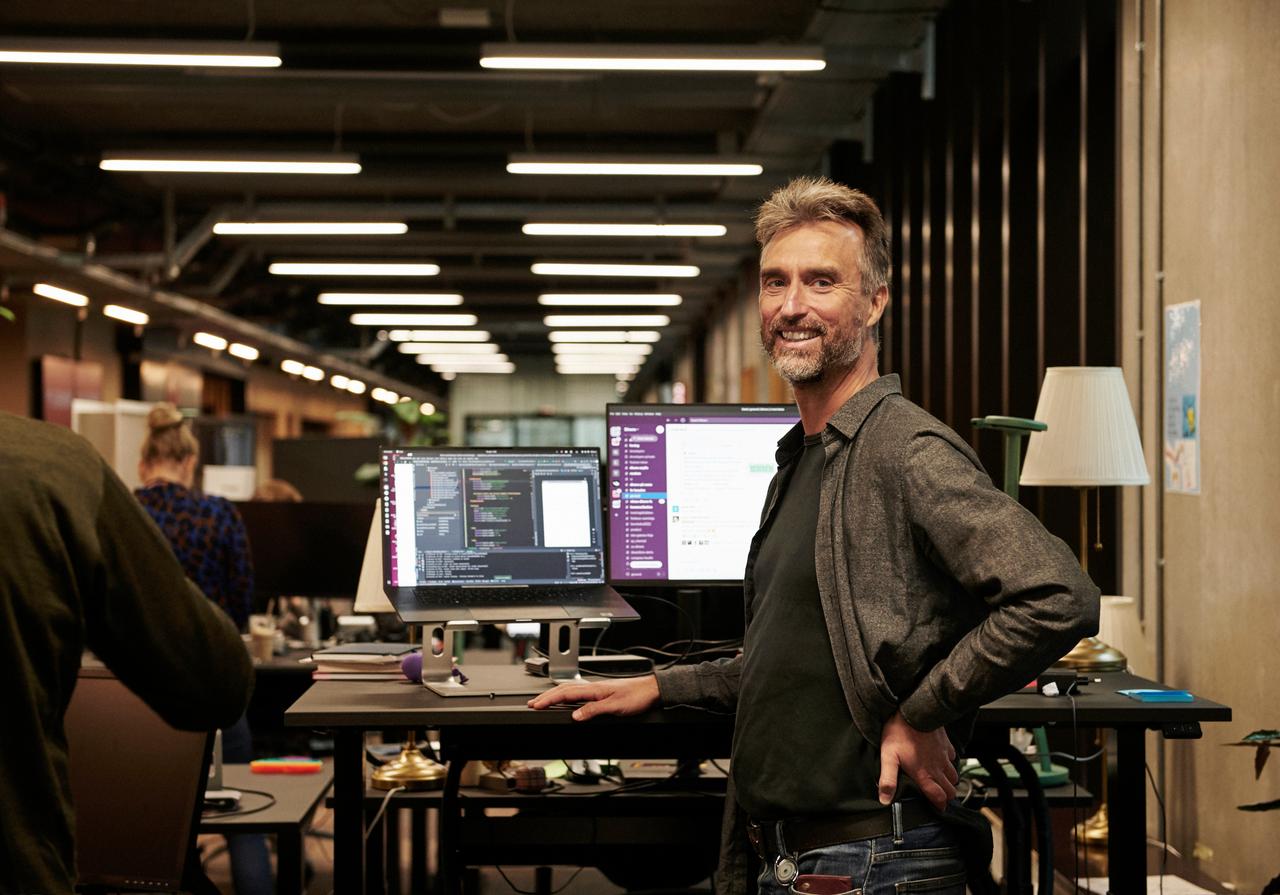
x: 440, y: 676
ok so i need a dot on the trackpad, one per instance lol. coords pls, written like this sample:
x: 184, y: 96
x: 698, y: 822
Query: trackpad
x: 506, y: 614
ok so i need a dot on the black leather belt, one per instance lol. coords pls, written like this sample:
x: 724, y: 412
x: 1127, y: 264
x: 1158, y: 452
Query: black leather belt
x: 800, y: 835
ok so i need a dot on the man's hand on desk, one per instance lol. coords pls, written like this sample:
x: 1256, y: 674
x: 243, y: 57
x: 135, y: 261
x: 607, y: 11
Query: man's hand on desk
x: 625, y: 696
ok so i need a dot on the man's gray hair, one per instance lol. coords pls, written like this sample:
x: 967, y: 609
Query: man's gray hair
x: 808, y: 200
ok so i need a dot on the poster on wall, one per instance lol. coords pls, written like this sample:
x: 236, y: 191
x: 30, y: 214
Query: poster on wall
x: 1182, y: 398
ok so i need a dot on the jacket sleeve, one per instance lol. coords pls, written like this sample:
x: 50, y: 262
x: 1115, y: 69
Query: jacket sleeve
x: 709, y: 685
x: 1039, y: 601
x: 154, y: 629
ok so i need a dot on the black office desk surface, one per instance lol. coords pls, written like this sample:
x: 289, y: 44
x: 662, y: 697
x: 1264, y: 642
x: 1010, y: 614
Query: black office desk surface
x: 296, y: 795
x: 503, y: 727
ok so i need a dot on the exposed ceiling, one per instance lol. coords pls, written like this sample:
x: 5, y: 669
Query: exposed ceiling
x: 389, y: 82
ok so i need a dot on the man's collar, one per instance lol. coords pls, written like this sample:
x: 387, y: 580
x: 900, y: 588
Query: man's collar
x: 851, y: 415
x: 847, y: 420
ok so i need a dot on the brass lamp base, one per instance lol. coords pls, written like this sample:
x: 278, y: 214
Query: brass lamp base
x: 1095, y: 830
x: 410, y: 769
x: 1091, y: 654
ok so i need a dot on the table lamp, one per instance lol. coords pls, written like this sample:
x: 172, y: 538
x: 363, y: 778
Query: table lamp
x: 1091, y: 440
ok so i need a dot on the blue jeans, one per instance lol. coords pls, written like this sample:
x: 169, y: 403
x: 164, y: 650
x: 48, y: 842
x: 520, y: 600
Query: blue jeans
x: 250, y: 860
x: 928, y: 860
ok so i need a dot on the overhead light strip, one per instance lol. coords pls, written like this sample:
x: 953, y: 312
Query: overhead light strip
x: 604, y: 335
x: 704, y: 166
x: 166, y: 162
x: 473, y: 348
x: 315, y: 228
x: 580, y: 269
x: 619, y: 320
x: 570, y: 349
x: 438, y: 335
x: 390, y: 299
x: 57, y: 293
x: 651, y: 57
x: 376, y: 319
x: 665, y: 230
x: 126, y: 315
x: 353, y: 269
x: 608, y: 300
x: 210, y: 341
x: 186, y: 54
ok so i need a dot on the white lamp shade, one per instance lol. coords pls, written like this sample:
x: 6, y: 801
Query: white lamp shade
x: 370, y: 597
x: 1092, y: 437
x: 1119, y: 626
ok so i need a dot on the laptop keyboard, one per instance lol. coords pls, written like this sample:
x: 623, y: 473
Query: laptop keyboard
x: 431, y: 597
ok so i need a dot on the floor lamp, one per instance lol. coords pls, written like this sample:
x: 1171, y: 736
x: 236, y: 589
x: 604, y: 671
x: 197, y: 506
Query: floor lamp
x: 1091, y: 440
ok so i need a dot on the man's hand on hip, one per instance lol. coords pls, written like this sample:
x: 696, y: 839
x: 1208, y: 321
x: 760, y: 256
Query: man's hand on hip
x: 927, y: 758
x: 624, y: 696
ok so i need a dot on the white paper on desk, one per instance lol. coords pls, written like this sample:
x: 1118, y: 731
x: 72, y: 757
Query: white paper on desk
x: 1173, y: 885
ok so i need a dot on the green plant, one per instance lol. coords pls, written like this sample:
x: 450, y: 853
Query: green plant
x: 7, y: 314
x: 1262, y: 741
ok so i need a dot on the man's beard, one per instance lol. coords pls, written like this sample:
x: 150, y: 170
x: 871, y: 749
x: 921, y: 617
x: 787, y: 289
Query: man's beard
x: 840, y: 351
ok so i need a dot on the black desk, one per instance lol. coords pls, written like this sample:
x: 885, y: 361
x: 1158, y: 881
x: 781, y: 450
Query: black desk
x: 503, y: 727
x: 296, y: 795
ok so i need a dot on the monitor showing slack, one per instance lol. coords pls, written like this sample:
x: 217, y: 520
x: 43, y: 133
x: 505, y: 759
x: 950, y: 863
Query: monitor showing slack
x: 686, y: 486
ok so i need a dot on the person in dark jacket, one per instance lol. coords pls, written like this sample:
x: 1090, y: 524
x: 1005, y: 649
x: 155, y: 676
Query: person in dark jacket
x: 83, y: 567
x: 890, y: 591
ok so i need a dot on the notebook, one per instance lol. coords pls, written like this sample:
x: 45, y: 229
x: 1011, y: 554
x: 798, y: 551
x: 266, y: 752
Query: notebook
x: 495, y: 535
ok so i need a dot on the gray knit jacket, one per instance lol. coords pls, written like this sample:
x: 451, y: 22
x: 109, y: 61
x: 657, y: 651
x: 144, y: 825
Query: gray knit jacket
x: 940, y: 592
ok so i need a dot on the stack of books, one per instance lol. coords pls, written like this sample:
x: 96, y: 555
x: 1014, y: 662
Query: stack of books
x: 360, y: 662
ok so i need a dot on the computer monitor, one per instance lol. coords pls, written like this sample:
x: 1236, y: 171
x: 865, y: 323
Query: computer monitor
x: 686, y: 486
x: 492, y: 516
x: 308, y: 549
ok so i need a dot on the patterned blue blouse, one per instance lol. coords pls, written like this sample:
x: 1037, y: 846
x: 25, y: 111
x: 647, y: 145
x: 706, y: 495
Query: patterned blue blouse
x: 208, y: 537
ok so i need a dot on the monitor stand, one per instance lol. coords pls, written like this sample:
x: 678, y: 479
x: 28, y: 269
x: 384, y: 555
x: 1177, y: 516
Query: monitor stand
x: 438, y: 674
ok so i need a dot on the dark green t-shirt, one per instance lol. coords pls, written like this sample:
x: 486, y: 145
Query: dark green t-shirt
x: 796, y: 751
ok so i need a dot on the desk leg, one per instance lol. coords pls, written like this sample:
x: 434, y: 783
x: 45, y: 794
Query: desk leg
x: 418, y: 849
x: 1127, y: 813
x: 450, y: 830
x: 289, y: 861
x: 348, y: 811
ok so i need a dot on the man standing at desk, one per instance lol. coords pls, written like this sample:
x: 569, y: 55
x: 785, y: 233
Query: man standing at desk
x: 890, y: 591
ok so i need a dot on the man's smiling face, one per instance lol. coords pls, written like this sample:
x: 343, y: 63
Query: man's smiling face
x: 813, y: 313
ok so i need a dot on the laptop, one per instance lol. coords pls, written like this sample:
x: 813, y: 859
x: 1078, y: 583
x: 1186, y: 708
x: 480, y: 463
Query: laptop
x: 495, y: 535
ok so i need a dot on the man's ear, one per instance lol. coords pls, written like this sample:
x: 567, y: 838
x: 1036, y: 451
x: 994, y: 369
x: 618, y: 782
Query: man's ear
x: 879, y: 301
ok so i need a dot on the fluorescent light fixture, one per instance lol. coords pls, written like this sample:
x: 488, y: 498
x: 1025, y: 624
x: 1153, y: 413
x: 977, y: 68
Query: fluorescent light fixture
x: 575, y: 269
x: 242, y: 351
x: 703, y: 230
x: 356, y: 387
x: 183, y: 53
x: 385, y: 395
x: 556, y: 320
x: 604, y: 335
x: 57, y: 293
x: 337, y: 380
x: 474, y: 368
x: 353, y: 269
x: 616, y: 165
x: 315, y: 374
x: 602, y: 300
x: 447, y: 359
x: 391, y: 299
x: 209, y: 340
x: 608, y: 371
x: 568, y: 349
x: 651, y: 57
x: 426, y: 408
x: 293, y: 367
x: 167, y: 162
x: 473, y: 348
x: 126, y: 315
x: 316, y: 228
x: 374, y: 319
x: 438, y: 335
